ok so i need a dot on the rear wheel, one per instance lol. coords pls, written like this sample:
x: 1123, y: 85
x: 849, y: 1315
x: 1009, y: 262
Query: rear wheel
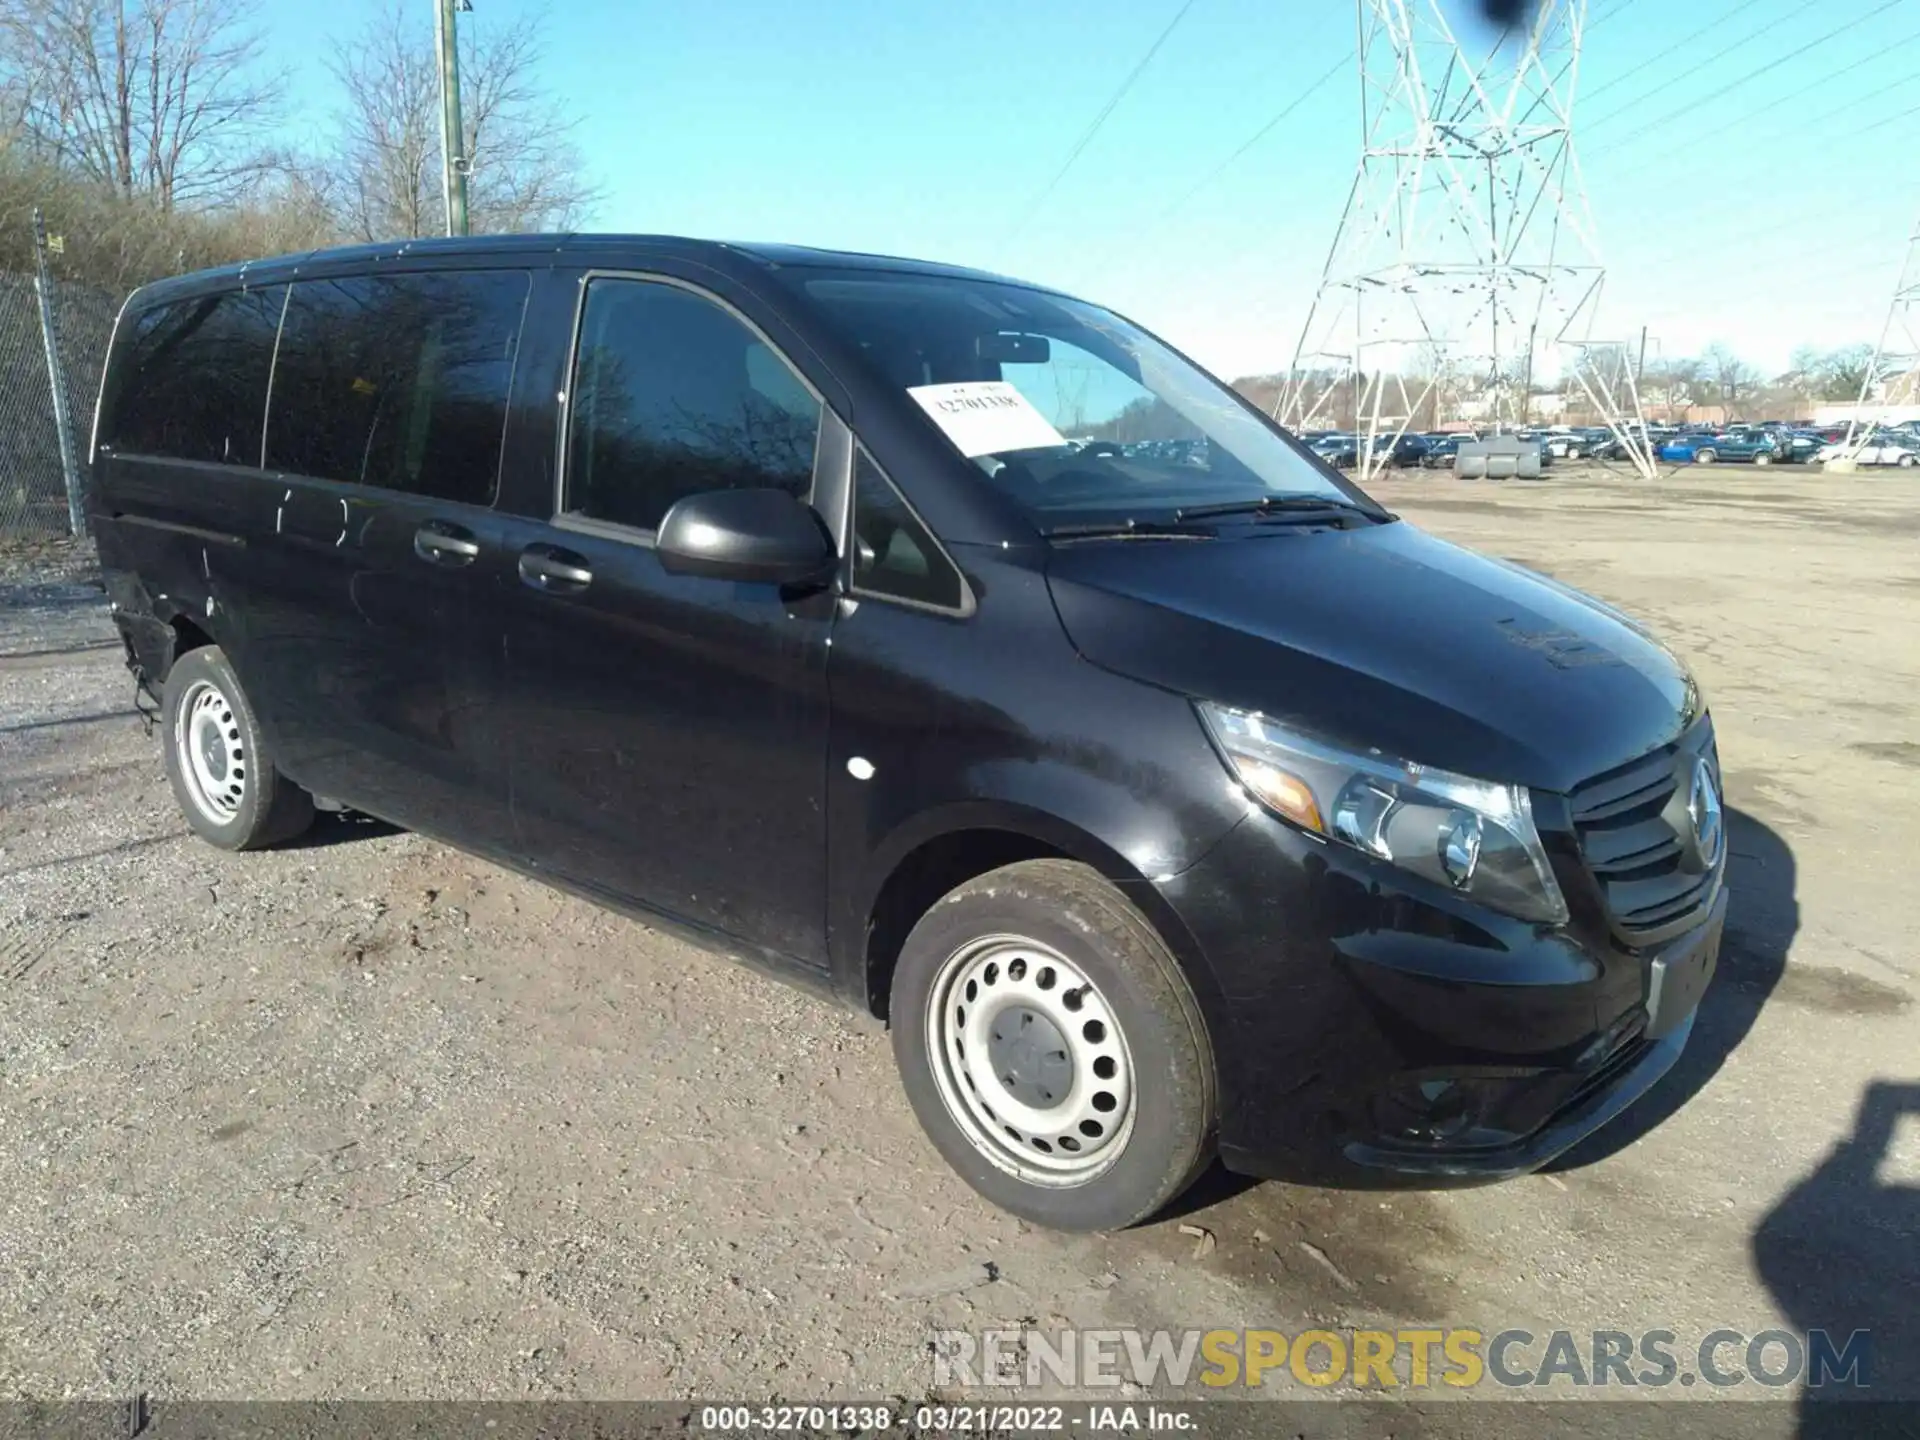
x: 1052, y: 1048
x: 1762, y: 458
x: 221, y: 769
x: 1907, y: 462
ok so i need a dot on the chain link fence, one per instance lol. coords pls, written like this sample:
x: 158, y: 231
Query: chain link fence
x: 33, y: 487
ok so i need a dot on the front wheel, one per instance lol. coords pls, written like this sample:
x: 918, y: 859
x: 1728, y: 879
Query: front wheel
x: 1763, y: 459
x: 1907, y: 462
x: 220, y: 767
x: 1704, y: 457
x: 1052, y: 1048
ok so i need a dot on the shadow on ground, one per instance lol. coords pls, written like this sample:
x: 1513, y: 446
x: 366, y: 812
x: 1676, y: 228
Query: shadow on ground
x: 1840, y: 1255
x: 340, y: 827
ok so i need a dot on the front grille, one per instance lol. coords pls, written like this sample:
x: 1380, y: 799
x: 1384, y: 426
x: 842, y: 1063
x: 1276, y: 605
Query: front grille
x: 1635, y: 836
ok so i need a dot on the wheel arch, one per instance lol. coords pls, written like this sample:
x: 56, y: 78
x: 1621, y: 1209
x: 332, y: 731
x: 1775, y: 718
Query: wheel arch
x: 939, y: 852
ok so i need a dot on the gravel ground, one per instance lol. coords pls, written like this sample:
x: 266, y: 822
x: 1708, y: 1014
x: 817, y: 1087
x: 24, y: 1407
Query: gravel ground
x: 370, y: 1118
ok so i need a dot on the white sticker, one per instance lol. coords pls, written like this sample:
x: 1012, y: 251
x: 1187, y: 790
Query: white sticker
x: 983, y: 417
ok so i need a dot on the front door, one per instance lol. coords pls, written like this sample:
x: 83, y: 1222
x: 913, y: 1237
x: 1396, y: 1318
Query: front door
x: 669, y: 733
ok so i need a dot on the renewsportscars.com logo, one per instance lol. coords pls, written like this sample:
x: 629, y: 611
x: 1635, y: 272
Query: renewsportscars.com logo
x: 1376, y: 1360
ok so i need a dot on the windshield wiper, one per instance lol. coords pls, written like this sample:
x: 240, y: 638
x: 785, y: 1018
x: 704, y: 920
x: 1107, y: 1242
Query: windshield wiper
x: 1121, y: 529
x: 1188, y: 520
x: 1274, y: 505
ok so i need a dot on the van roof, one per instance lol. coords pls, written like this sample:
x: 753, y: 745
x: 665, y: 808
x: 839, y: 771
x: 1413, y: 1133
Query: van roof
x: 550, y: 248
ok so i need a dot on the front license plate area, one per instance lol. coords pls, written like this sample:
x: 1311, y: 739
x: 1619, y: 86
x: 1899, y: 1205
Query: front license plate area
x: 1680, y: 977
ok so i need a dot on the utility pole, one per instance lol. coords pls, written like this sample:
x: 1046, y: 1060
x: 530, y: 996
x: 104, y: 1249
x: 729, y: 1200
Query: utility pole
x: 1640, y: 365
x: 57, y: 378
x: 453, y: 142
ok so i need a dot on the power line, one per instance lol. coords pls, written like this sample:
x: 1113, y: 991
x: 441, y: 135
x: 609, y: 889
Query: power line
x: 1133, y: 237
x: 1099, y: 120
x: 1826, y: 115
x: 1675, y: 49
x: 1751, y: 75
x: 1610, y: 12
x: 1811, y: 125
x: 1777, y: 101
x: 1261, y: 134
x: 1791, y: 222
x: 1853, y: 262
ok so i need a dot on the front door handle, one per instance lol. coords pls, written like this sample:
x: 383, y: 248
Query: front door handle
x: 557, y: 571
x: 440, y: 543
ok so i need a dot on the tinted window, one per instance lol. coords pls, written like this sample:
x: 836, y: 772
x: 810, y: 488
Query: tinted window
x: 672, y: 395
x: 399, y: 381
x: 893, y: 553
x: 192, y: 380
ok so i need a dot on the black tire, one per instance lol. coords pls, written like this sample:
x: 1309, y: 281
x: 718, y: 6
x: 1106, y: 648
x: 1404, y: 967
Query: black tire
x: 1762, y: 458
x: 1167, y: 1131
x: 1704, y: 457
x: 268, y: 809
x: 1907, y: 462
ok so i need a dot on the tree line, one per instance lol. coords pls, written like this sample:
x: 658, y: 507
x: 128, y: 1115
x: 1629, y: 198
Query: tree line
x: 1669, y: 387
x: 1720, y: 378
x: 154, y: 135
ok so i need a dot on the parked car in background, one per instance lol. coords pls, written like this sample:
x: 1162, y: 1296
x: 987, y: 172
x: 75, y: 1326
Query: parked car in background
x: 1404, y: 451
x: 1882, y: 447
x: 1540, y: 440
x: 1340, y: 451
x: 1442, y: 450
x: 1754, y: 447
x: 1803, y: 446
x: 1585, y: 443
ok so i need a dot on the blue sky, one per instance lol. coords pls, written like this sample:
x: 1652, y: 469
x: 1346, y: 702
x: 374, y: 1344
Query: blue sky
x: 1768, y: 216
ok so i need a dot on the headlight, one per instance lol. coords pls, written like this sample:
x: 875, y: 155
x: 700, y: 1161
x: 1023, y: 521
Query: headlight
x: 1473, y: 836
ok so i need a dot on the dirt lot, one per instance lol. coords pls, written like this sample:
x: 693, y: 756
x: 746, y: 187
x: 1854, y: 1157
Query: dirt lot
x: 370, y: 1118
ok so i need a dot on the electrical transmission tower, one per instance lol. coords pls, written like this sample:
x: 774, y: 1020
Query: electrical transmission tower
x: 1893, y: 377
x: 1466, y: 267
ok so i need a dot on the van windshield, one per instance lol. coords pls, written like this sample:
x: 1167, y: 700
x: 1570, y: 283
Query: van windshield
x: 1075, y: 413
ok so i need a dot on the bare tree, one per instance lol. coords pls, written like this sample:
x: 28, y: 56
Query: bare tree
x: 1672, y: 384
x: 1842, y: 373
x: 1731, y: 375
x: 162, y: 99
x: 525, y: 171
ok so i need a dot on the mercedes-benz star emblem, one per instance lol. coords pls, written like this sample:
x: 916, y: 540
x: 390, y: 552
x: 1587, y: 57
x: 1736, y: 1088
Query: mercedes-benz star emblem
x: 1703, y: 807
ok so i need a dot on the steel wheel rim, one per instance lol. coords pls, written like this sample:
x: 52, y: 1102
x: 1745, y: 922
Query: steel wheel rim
x: 999, y: 1012
x: 213, y: 761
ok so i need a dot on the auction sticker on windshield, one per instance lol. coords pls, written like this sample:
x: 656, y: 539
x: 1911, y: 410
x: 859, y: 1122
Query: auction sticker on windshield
x: 984, y: 417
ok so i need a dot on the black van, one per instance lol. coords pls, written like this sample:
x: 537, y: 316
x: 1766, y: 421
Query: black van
x: 945, y: 643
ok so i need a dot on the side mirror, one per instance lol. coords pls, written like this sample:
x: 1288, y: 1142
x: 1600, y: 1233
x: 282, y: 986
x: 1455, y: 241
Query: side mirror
x: 763, y: 537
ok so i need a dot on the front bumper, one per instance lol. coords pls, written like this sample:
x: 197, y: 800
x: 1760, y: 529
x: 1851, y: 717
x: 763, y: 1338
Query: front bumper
x: 1374, y: 1031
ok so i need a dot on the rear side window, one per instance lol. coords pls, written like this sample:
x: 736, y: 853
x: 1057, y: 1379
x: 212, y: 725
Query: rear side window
x: 673, y: 395
x: 191, y: 382
x: 398, y: 381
